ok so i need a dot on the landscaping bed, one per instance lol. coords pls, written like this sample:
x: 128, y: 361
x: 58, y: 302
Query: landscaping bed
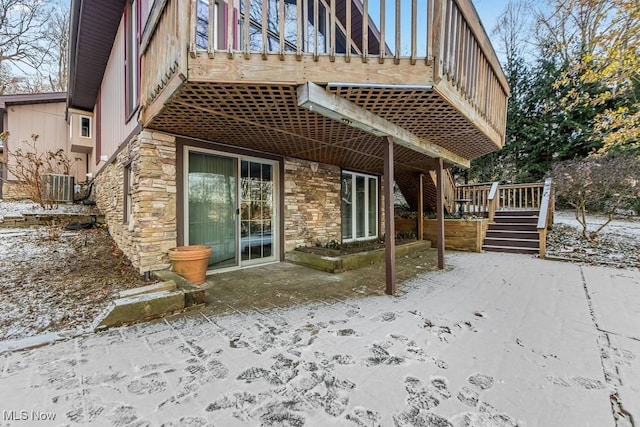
x: 55, y: 280
x: 350, y: 248
x: 617, y: 245
x: 335, y: 261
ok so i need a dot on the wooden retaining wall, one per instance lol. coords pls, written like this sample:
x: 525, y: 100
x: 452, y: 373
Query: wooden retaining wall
x: 459, y: 234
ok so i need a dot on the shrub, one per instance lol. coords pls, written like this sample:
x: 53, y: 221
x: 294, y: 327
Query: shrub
x: 602, y: 184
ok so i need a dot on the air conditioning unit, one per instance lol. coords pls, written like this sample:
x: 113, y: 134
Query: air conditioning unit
x: 57, y: 188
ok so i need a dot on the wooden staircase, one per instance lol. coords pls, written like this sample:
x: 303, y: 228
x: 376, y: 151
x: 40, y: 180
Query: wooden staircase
x: 513, y: 231
x: 518, y: 214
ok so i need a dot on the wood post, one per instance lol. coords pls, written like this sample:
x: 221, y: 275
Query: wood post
x: 420, y: 226
x: 389, y: 226
x: 440, y: 211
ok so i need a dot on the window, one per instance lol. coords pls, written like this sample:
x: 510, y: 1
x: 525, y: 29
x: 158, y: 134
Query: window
x: 128, y: 182
x: 273, y: 25
x: 85, y: 127
x: 145, y: 8
x: 359, y: 206
x: 98, y: 115
x: 131, y: 57
x: 203, y: 31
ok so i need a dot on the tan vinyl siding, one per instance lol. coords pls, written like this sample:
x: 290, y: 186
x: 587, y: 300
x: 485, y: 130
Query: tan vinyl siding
x: 114, y: 127
x: 48, y: 122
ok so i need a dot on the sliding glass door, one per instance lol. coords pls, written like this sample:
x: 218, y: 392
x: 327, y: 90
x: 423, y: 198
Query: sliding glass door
x: 212, y: 204
x: 231, y: 206
x: 359, y: 206
x: 256, y: 211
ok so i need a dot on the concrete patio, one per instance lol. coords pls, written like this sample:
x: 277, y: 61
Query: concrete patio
x: 495, y: 340
x: 284, y: 284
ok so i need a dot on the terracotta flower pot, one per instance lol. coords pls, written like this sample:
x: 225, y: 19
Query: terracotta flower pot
x: 191, y: 262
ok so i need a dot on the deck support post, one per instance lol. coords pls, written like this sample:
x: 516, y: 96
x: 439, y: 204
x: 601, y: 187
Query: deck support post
x: 420, y: 226
x: 389, y: 226
x: 440, y: 211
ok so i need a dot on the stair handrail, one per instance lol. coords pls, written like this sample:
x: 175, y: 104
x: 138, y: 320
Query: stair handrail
x: 492, y: 200
x: 450, y: 189
x: 545, y: 215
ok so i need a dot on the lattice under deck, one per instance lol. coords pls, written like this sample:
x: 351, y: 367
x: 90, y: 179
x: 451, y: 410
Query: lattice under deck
x: 267, y: 118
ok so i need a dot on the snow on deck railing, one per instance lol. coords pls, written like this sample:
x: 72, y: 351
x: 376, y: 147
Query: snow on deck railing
x: 547, y: 206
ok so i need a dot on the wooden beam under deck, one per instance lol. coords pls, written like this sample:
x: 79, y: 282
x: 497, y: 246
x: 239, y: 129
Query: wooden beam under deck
x: 294, y: 70
x: 315, y: 98
x: 150, y: 111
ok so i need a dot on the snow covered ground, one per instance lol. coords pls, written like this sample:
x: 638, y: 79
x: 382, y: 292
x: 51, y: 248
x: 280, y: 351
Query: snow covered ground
x: 618, y: 244
x: 20, y: 208
x: 495, y: 340
x: 620, y: 226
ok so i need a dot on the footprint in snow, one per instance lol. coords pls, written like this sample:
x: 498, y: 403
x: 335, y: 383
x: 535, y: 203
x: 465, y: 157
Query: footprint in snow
x: 345, y: 333
x: 387, y: 316
x: 582, y: 382
x: 482, y: 381
x: 414, y: 417
x: 188, y: 422
x: 363, y: 417
x: 327, y: 391
x: 242, y: 401
x: 122, y: 415
x: 468, y: 397
x: 148, y: 384
x: 382, y: 357
x: 468, y: 419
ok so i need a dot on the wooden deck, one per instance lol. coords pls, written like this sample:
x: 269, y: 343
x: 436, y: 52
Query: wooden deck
x: 439, y: 83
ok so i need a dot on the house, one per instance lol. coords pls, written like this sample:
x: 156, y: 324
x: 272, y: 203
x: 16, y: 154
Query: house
x: 259, y: 126
x: 44, y: 115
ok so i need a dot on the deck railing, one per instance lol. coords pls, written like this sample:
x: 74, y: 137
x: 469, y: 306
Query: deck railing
x: 163, y: 49
x: 486, y: 198
x: 520, y: 196
x: 467, y: 60
x: 443, y: 36
x: 388, y: 28
x: 473, y: 199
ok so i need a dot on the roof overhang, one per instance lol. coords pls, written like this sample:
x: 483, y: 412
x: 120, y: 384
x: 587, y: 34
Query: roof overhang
x: 32, y: 98
x: 94, y: 25
x: 25, y: 99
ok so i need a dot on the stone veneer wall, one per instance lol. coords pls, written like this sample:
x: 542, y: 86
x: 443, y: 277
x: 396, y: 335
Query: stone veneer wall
x: 312, y: 204
x: 151, y: 231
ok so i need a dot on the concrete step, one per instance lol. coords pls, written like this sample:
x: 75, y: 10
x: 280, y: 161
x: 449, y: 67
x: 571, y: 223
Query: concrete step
x: 138, y: 308
x: 509, y: 249
x: 519, y: 243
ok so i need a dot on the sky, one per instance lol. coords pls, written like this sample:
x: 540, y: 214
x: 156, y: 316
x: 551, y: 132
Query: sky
x: 489, y: 10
